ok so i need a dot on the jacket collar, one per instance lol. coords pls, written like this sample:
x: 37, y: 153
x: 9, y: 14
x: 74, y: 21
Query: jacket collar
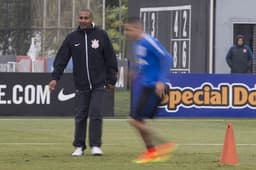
x: 87, y: 30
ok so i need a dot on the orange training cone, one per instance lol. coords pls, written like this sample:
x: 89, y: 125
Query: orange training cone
x: 229, y: 156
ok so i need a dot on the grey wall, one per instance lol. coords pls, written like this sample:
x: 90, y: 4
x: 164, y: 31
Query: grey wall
x: 229, y: 12
x: 198, y: 51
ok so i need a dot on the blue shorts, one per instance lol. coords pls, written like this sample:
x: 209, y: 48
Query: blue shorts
x: 146, y: 104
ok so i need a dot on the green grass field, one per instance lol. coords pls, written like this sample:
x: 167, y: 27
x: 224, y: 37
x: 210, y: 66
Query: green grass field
x: 122, y: 103
x: 45, y: 144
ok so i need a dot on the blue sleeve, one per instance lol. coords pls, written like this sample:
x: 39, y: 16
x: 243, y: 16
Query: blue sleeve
x: 165, y: 66
x: 164, y: 57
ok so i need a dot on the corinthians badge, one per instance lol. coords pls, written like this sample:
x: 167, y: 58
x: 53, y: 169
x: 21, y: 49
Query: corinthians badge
x: 95, y: 44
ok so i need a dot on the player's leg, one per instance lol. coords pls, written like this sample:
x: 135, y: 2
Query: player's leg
x: 95, y: 127
x: 81, y: 114
x: 141, y: 110
x: 147, y: 107
x: 158, y: 149
x: 163, y: 147
x: 144, y: 131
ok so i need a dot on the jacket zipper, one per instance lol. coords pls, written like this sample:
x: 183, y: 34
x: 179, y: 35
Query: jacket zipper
x: 87, y: 61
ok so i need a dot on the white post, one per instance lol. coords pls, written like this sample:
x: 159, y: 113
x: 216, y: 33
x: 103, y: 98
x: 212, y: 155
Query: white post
x: 43, y: 35
x: 44, y: 24
x: 103, y: 13
x: 58, y: 21
x: 88, y: 4
x: 73, y: 14
x: 211, y: 34
x: 120, y: 29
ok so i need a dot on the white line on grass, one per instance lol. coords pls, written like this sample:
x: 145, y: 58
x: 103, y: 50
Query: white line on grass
x: 157, y: 119
x: 214, y: 144
x: 182, y: 144
x: 30, y: 143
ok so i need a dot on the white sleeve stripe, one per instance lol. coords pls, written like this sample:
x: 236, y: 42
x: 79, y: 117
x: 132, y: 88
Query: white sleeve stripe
x: 153, y: 43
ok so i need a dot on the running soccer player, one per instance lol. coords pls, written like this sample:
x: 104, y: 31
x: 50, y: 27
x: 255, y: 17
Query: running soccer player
x: 154, y: 66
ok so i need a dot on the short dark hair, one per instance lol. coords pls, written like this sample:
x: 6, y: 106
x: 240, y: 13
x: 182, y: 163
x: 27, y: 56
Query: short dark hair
x: 87, y: 10
x: 133, y: 20
x: 239, y: 36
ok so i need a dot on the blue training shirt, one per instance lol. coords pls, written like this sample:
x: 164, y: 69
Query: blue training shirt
x: 154, y: 60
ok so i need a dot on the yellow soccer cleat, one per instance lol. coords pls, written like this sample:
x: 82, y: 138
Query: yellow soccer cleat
x: 166, y: 149
x: 147, y: 157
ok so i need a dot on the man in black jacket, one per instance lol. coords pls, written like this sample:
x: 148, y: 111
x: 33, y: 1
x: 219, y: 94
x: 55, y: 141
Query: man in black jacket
x: 94, y: 71
x: 239, y: 57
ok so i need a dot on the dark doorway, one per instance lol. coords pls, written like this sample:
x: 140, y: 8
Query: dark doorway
x: 247, y: 31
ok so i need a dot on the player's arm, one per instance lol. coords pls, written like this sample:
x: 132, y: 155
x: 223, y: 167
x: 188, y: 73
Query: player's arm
x: 165, y: 60
x: 111, y: 63
x: 229, y: 57
x: 250, y: 58
x: 60, y: 63
x: 165, y: 67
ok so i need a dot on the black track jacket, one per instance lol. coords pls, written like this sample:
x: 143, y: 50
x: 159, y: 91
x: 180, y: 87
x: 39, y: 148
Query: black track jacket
x: 94, y: 60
